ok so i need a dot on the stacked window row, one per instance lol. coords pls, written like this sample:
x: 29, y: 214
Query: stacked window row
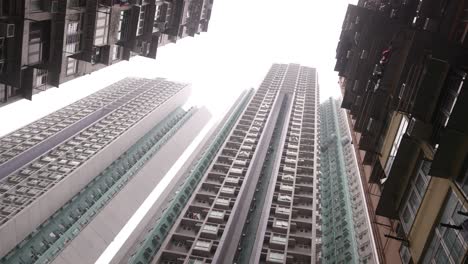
x: 29, y: 136
x: 61, y: 228
x: 290, y: 229
x: 18, y: 190
x: 197, y: 234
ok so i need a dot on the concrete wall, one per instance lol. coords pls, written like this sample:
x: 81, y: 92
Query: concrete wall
x: 88, y: 246
x: 25, y: 222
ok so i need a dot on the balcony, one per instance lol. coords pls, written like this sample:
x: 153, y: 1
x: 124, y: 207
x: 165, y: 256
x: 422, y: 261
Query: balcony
x: 341, y: 60
x: 188, y: 228
x: 401, y: 170
x: 428, y: 91
x: 180, y: 244
x: 348, y: 97
x: 404, y: 11
x: 407, y: 48
x: 453, y: 143
x: 428, y: 8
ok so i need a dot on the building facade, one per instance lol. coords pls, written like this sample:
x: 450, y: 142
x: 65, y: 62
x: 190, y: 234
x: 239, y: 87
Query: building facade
x: 44, y: 43
x: 346, y: 233
x: 252, y: 193
x: 403, y: 70
x: 71, y: 180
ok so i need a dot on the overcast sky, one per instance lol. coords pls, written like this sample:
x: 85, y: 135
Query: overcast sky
x: 243, y: 40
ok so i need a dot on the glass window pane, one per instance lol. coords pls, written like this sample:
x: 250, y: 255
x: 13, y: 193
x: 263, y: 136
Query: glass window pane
x: 441, y: 256
x: 414, y: 201
x: 454, y: 245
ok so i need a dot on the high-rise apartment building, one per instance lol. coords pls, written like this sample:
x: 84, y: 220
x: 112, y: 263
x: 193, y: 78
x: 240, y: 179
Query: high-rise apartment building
x: 251, y: 192
x: 70, y: 181
x: 403, y: 68
x: 44, y: 43
x: 346, y: 233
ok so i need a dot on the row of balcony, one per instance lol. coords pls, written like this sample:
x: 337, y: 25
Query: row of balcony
x: 210, y: 208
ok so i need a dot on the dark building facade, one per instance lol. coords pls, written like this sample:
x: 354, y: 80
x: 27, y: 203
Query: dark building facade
x: 403, y: 68
x: 44, y: 43
x: 70, y: 181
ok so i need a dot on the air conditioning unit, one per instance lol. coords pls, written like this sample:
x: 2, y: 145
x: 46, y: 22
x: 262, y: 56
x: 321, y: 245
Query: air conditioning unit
x: 54, y: 7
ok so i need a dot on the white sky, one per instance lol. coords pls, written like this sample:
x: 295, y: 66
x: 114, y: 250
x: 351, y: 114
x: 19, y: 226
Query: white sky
x: 243, y: 40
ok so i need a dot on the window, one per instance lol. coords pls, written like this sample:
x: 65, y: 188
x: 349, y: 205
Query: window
x: 73, y: 34
x: 396, y: 144
x: 449, y: 97
x: 141, y: 21
x: 448, y: 245
x: 416, y: 191
x: 35, y: 45
x: 169, y: 12
x: 72, y: 66
x: 102, y: 25
x: 123, y: 25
